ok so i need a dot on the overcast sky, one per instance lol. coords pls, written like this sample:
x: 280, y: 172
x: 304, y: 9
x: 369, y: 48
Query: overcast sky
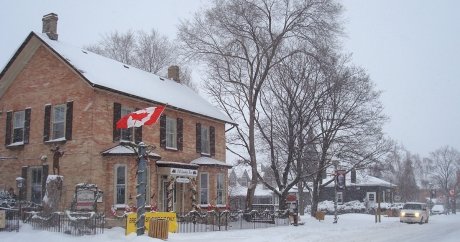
x: 410, y: 49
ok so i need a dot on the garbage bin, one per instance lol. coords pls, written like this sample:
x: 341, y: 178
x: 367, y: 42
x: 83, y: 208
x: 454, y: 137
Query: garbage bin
x: 158, y: 228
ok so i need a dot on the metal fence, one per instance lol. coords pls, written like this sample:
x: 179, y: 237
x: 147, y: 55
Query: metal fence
x: 72, y: 223
x: 11, y: 219
x: 195, y: 221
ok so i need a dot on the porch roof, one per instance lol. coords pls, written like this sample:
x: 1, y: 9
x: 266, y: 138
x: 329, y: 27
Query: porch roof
x: 120, y: 150
x: 208, y: 161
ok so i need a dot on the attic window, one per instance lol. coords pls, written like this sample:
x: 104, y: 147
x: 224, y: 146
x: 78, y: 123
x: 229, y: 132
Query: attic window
x: 127, y: 67
x: 84, y: 51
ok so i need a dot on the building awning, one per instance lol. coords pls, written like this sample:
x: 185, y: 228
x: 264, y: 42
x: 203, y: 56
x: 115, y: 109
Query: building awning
x: 208, y: 161
x: 173, y: 164
x: 121, y: 150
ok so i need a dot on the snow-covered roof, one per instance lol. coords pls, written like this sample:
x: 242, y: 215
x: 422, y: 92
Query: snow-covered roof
x: 362, y: 179
x: 239, y: 190
x: 118, y: 77
x: 209, y: 161
x: 124, y: 150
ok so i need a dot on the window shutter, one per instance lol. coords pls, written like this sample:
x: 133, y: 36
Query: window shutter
x: 180, y: 133
x: 27, y: 125
x: 68, y: 121
x: 46, y: 128
x: 198, y: 138
x: 116, y: 117
x: 9, y: 118
x: 44, y: 178
x: 163, y: 131
x: 212, y: 140
x: 22, y: 192
x: 137, y: 133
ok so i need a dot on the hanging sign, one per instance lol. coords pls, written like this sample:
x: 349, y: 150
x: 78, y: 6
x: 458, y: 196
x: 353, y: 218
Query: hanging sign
x: 182, y: 180
x: 184, y: 172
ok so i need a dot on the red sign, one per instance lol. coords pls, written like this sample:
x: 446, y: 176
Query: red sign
x: 291, y: 198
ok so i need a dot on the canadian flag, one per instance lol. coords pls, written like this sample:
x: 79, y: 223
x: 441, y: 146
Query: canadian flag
x: 141, y: 117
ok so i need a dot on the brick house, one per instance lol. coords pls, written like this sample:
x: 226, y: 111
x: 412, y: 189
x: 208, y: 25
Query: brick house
x: 53, y: 94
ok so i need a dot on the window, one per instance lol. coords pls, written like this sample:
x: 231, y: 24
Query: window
x: 171, y: 133
x: 205, y: 149
x: 36, y: 185
x: 127, y: 134
x: 58, y: 122
x: 340, y: 197
x: 18, y: 126
x: 204, y: 189
x: 221, y: 189
x: 120, y: 184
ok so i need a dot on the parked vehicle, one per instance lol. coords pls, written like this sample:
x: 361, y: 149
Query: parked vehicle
x: 438, y: 209
x: 413, y: 212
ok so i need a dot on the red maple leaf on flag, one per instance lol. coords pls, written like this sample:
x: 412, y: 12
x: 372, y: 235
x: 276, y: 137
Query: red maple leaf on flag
x: 146, y: 116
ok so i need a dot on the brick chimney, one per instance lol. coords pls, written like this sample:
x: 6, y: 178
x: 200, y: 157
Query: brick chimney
x: 173, y: 73
x: 50, y: 25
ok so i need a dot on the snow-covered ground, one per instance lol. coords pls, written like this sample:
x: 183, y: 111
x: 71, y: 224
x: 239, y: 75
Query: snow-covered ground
x: 350, y: 227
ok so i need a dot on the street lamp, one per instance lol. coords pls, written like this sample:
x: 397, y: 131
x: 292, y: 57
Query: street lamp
x: 20, y: 183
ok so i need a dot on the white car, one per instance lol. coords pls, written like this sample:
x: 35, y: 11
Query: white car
x: 438, y: 209
x: 413, y: 212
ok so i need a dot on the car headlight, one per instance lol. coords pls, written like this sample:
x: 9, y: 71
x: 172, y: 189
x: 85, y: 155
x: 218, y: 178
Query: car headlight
x: 403, y: 214
x: 417, y: 215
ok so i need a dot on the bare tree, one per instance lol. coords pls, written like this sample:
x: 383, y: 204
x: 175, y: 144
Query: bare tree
x: 241, y: 42
x: 445, y: 163
x: 287, y: 109
x: 349, y: 122
x: 117, y: 46
x: 150, y: 52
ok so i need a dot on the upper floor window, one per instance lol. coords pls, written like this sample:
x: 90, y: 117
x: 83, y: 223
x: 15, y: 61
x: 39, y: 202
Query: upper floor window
x: 130, y: 134
x: 17, y: 127
x: 58, y: 122
x: 171, y: 133
x: 205, y: 140
x: 127, y: 134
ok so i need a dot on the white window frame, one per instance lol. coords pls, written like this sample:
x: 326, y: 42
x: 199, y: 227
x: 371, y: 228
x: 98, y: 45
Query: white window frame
x: 171, y: 133
x: 204, y: 189
x: 116, y: 185
x: 128, y: 131
x: 220, y: 189
x: 18, y: 124
x: 61, y: 121
x: 205, y: 141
